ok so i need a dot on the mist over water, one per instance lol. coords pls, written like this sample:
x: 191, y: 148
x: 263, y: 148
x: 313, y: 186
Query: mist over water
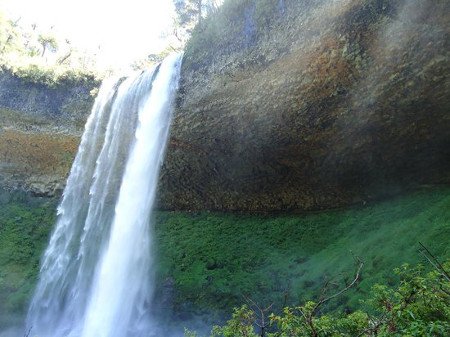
x: 96, y: 274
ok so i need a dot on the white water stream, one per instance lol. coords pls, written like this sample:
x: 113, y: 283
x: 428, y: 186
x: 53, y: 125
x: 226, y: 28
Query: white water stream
x: 96, y: 274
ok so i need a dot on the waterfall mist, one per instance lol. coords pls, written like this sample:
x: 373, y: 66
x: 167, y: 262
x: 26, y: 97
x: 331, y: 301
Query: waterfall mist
x: 96, y: 275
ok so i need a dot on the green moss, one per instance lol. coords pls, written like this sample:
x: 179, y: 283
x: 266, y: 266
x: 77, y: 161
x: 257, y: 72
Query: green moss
x: 12, y: 117
x: 215, y: 259
x: 51, y: 76
x: 24, y: 230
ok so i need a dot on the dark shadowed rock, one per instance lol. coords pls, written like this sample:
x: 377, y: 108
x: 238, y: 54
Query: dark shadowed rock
x: 336, y: 102
x: 283, y: 105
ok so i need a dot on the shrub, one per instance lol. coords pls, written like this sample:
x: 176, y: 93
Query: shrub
x: 418, y: 306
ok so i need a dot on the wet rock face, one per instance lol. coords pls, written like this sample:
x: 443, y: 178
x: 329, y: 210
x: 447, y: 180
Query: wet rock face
x: 65, y: 104
x: 283, y: 105
x: 37, y: 161
x: 335, y: 102
x: 40, y: 129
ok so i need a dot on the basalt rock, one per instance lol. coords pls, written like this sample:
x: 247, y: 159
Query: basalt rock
x: 283, y: 105
x: 318, y: 104
x: 40, y: 129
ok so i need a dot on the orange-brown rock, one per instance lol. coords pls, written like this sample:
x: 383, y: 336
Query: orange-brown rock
x: 39, y: 161
x: 312, y: 105
x: 283, y: 105
x: 40, y: 129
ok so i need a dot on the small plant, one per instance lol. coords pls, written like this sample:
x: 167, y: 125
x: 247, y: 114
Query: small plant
x: 418, y: 306
x: 240, y: 324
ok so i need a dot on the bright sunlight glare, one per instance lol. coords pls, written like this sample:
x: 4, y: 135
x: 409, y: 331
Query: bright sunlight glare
x: 116, y: 32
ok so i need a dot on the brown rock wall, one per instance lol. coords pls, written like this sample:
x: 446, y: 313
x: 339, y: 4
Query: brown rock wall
x: 316, y: 105
x: 353, y: 105
x: 39, y: 162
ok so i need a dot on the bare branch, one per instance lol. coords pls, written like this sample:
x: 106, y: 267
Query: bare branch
x: 347, y: 287
x: 64, y: 58
x: 434, y: 262
x: 261, y: 321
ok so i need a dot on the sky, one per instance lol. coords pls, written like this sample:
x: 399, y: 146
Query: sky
x: 124, y: 30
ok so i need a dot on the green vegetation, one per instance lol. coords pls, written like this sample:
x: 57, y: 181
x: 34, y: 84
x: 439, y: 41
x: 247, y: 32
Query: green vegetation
x: 40, y: 57
x: 192, y: 12
x: 24, y: 230
x: 237, y: 24
x: 213, y: 260
x: 418, y: 306
x: 216, y: 259
x: 52, y: 76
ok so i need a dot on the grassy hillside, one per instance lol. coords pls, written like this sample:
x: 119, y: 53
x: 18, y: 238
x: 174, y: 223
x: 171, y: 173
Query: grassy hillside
x: 215, y: 259
x: 24, y: 228
x: 208, y: 261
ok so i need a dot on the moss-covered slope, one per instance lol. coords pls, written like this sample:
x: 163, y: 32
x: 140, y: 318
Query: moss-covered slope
x: 25, y: 225
x: 212, y: 260
x: 208, y: 261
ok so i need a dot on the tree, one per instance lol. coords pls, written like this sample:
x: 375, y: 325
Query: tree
x: 240, y: 324
x: 418, y: 306
x: 8, y: 34
x: 191, y: 12
x: 48, y: 43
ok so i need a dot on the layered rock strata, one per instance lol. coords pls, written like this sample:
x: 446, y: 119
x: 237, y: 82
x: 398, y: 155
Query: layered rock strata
x: 283, y: 105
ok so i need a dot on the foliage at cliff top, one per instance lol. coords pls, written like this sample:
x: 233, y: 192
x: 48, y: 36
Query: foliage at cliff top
x: 232, y: 26
x: 40, y: 57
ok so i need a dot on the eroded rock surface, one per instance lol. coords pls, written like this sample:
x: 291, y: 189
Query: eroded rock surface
x: 283, y: 105
x: 334, y: 103
x: 40, y: 129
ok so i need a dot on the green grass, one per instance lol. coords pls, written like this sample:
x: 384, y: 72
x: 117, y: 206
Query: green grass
x: 24, y: 230
x: 214, y: 259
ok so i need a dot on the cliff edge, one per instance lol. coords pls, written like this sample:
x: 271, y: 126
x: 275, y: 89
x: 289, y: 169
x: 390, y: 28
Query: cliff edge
x: 283, y: 105
x: 301, y: 105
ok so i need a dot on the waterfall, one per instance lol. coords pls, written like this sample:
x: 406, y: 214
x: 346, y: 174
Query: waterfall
x: 96, y: 273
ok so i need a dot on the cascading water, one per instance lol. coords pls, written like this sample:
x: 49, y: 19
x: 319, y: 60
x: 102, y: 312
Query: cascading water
x: 95, y: 278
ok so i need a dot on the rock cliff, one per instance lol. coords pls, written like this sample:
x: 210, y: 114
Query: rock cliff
x: 298, y: 105
x: 40, y: 128
x: 283, y: 105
